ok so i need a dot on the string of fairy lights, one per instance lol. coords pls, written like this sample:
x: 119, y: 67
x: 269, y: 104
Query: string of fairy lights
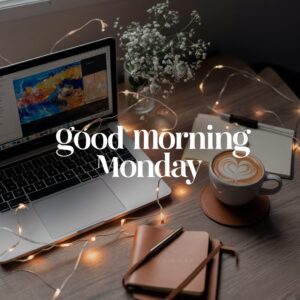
x: 121, y: 231
x: 256, y: 78
x: 102, y: 24
x: 86, y: 241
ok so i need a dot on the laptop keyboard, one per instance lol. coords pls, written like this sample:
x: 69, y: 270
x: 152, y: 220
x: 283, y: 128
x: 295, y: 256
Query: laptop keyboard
x: 47, y: 173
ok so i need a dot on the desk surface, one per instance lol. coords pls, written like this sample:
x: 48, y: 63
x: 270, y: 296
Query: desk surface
x: 269, y: 251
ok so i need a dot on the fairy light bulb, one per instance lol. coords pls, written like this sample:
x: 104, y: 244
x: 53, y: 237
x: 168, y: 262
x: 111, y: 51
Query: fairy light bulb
x: 92, y: 257
x: 93, y: 239
x: 123, y: 222
x: 103, y: 26
x: 219, y: 66
x: 126, y: 92
x: 56, y: 294
x: 65, y: 245
x: 295, y: 147
x: 86, y: 127
x: 259, y: 113
x: 30, y: 257
x: 201, y: 87
x: 20, y: 230
x: 180, y: 190
x: 22, y: 206
x: 217, y: 103
x: 11, y: 249
x: 162, y: 218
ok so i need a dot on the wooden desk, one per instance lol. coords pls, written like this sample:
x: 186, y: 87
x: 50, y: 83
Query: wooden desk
x: 269, y: 252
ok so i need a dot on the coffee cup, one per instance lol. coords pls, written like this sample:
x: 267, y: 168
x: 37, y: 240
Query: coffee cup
x: 237, y: 181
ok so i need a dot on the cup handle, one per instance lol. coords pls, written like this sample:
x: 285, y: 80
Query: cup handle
x: 265, y: 191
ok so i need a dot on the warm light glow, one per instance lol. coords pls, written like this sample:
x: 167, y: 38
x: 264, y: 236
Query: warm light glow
x: 180, y: 190
x: 259, y: 113
x: 30, y: 257
x: 227, y: 127
x: 128, y: 129
x: 11, y: 249
x: 295, y: 147
x: 123, y: 222
x: 126, y: 92
x: 65, y: 245
x: 93, y: 239
x: 20, y: 230
x: 217, y: 103
x: 56, y: 294
x: 162, y: 218
x: 22, y: 206
x: 219, y: 66
x: 103, y: 26
x: 92, y: 257
x: 164, y: 130
x: 298, y: 110
x: 201, y: 87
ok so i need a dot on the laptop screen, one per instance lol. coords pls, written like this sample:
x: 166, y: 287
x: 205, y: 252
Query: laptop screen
x: 37, y: 101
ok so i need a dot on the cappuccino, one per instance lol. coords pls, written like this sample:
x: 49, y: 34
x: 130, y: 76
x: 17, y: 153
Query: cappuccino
x: 237, y: 171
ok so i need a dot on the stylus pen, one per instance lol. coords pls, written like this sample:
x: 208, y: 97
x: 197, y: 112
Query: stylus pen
x: 250, y: 123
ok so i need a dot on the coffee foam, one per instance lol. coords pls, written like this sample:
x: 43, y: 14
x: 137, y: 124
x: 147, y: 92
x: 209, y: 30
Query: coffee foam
x: 239, y: 171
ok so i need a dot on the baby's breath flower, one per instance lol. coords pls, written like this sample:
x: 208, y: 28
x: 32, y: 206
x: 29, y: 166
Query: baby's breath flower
x: 157, y: 59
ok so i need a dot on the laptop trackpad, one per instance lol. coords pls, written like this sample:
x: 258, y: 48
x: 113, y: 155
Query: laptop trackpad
x: 80, y: 207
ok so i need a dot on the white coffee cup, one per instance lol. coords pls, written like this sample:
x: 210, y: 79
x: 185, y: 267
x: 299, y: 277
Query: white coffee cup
x: 237, y: 181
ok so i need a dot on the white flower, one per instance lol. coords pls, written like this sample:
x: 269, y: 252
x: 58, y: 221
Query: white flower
x: 156, y: 59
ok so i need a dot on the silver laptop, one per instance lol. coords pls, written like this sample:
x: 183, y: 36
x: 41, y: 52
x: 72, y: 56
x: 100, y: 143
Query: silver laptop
x: 65, y: 196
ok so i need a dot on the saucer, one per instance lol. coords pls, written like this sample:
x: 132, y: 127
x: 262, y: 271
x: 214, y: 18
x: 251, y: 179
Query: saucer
x: 237, y: 216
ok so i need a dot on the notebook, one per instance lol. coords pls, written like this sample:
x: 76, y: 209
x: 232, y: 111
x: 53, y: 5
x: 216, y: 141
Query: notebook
x: 273, y: 149
x: 170, y: 267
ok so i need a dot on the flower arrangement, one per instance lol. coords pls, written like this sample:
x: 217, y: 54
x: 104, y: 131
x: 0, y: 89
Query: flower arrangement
x: 157, y: 60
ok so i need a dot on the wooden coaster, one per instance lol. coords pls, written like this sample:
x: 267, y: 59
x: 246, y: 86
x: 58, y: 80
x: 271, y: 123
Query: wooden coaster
x: 237, y: 216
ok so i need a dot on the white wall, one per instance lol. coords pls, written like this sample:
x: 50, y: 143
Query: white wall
x: 257, y: 30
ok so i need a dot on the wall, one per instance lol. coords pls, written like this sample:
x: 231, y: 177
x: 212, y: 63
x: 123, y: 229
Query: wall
x: 257, y: 31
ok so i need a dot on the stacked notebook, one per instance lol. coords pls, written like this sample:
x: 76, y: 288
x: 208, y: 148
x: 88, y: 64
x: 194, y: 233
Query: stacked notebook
x: 170, y: 267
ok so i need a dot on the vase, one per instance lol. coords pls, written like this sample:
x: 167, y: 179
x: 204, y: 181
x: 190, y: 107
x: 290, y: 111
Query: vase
x: 137, y: 86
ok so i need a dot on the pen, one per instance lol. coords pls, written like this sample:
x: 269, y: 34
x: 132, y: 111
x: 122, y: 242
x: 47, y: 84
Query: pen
x: 154, y: 250
x: 166, y: 241
x: 250, y: 123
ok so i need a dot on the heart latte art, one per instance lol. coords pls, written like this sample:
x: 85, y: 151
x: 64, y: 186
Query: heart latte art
x: 239, y: 171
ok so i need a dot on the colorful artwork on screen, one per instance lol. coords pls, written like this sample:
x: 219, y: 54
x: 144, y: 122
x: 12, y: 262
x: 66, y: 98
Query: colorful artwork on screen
x: 49, y: 93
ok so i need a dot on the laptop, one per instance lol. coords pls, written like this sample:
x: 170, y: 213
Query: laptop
x: 66, y: 196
